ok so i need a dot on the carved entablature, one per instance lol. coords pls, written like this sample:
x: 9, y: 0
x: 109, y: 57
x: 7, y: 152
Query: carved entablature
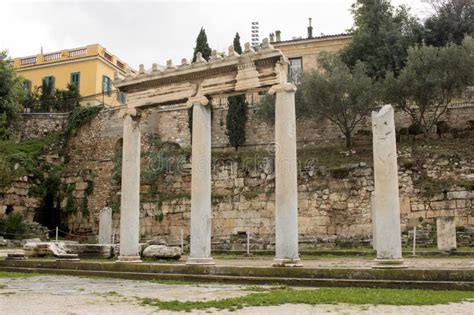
x: 226, y: 75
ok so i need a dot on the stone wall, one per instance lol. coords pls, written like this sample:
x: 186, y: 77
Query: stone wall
x: 334, y: 203
x: 36, y: 125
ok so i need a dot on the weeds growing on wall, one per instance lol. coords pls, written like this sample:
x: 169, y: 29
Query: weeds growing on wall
x: 19, y: 159
x: 162, y: 158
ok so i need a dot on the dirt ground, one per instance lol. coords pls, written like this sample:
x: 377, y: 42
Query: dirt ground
x: 78, y: 295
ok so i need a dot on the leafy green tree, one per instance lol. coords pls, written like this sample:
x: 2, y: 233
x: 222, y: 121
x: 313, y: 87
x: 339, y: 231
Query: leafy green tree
x: 32, y: 99
x: 202, y: 46
x: 47, y: 97
x: 67, y: 100
x: 453, y: 19
x: 266, y: 108
x: 237, y: 46
x: 236, y: 120
x: 380, y: 37
x: 337, y: 94
x: 11, y: 94
x: 431, y: 80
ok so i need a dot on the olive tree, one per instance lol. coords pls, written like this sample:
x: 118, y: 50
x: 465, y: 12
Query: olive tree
x: 432, y: 79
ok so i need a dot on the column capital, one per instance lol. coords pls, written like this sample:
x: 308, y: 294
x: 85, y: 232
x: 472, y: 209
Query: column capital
x: 132, y: 112
x: 282, y: 87
x: 197, y: 100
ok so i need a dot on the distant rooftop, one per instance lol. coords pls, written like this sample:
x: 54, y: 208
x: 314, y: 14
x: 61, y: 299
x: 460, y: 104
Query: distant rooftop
x: 46, y: 59
x: 275, y: 38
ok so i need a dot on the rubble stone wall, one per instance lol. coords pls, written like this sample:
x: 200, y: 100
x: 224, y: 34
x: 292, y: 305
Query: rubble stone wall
x: 334, y: 205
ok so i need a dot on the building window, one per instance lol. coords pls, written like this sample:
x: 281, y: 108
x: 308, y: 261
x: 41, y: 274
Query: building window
x: 76, y: 79
x: 106, y: 85
x: 27, y: 87
x: 120, y: 97
x: 48, y: 85
x: 295, y: 68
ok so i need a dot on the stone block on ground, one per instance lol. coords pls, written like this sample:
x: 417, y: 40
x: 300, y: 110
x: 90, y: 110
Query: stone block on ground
x: 162, y: 252
x: 446, y: 233
x: 91, y: 250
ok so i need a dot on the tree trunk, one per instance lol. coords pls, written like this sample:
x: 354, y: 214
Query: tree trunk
x: 348, y: 140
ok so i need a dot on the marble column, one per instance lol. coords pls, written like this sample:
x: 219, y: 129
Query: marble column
x: 374, y: 221
x: 286, y: 185
x: 387, y: 203
x: 130, y: 193
x: 201, y: 214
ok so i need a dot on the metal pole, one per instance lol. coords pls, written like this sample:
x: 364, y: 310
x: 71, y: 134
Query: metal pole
x: 248, y: 243
x: 182, y: 241
x: 414, y: 241
x: 57, y: 234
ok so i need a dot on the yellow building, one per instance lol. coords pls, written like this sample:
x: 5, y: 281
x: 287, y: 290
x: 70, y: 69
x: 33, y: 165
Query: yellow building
x: 90, y: 68
x: 302, y: 52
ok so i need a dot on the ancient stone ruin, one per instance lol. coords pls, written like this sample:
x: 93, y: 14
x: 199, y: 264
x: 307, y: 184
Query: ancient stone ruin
x: 197, y: 84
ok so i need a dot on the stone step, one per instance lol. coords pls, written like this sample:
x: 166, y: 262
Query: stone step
x: 407, y: 278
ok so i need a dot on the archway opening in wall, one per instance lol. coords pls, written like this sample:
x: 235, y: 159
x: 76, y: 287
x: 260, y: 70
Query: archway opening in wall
x: 49, y: 213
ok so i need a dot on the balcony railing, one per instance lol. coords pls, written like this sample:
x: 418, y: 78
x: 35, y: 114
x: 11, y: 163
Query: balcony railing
x: 78, y: 53
x: 28, y: 61
x: 52, y: 56
x: 107, y: 56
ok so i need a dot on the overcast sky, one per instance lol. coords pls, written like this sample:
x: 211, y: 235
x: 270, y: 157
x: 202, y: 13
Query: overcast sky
x: 155, y: 31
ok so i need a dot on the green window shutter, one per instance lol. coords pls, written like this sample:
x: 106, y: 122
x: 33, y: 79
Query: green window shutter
x: 76, y: 79
x: 51, y: 82
x: 104, y: 84
x: 26, y: 87
x: 109, y: 86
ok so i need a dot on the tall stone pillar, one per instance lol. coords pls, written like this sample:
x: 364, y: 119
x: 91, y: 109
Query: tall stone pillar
x: 286, y: 185
x: 386, y: 202
x: 130, y: 193
x: 201, y: 183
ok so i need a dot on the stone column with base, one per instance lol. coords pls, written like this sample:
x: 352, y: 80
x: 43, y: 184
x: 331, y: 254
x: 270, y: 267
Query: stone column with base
x: 386, y: 201
x: 130, y: 192
x: 105, y: 226
x: 200, y: 252
x: 286, y: 185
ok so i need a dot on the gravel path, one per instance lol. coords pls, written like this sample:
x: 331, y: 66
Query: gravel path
x: 77, y: 295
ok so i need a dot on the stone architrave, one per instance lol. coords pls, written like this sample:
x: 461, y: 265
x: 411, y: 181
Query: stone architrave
x: 286, y: 185
x: 446, y: 234
x: 201, y: 214
x: 105, y: 226
x: 387, y: 203
x: 130, y: 192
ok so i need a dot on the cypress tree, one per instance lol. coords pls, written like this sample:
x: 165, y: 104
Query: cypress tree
x: 237, y: 113
x: 237, y: 47
x: 202, y: 46
x: 235, y: 120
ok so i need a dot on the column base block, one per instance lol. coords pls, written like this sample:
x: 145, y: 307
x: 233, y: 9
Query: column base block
x: 389, y: 264
x: 200, y: 261
x: 128, y: 259
x: 278, y: 262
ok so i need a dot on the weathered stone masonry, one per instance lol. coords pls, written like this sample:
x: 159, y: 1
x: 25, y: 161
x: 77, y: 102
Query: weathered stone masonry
x: 331, y: 210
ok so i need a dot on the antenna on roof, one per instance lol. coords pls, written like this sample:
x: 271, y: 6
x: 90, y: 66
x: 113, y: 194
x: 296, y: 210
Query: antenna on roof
x: 41, y: 48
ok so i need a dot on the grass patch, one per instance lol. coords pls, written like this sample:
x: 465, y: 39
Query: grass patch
x: 319, y: 296
x: 18, y: 275
x: 3, y: 286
